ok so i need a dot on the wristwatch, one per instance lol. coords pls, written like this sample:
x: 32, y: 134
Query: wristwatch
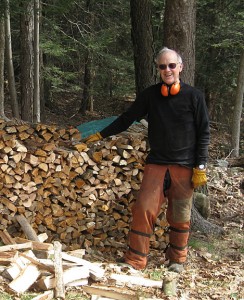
x: 201, y: 167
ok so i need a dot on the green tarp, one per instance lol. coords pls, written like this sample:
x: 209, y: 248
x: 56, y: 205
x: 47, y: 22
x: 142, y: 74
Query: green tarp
x: 91, y: 127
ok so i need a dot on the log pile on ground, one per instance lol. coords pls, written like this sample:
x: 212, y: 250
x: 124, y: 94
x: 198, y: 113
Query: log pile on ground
x: 79, y: 195
x: 43, y: 268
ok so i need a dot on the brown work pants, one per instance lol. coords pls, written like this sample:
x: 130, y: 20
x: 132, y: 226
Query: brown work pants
x: 153, y: 193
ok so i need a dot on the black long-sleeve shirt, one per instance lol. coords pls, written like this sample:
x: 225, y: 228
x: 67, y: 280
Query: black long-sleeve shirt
x: 178, y: 126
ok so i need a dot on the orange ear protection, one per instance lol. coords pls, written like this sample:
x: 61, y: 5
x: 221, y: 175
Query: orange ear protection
x: 170, y: 90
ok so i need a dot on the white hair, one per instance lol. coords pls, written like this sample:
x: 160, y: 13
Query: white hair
x: 164, y: 50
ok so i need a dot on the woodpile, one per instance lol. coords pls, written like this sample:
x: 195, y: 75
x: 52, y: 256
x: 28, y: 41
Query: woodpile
x: 43, y: 268
x: 79, y: 194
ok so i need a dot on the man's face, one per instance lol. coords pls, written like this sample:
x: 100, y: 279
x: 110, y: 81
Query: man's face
x: 171, y: 67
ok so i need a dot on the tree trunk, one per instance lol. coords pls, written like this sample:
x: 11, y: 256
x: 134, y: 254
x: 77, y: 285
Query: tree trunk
x: 36, y: 100
x: 45, y: 85
x: 26, y: 62
x: 10, y: 67
x: 236, y: 123
x: 86, y: 103
x: 142, y: 38
x: 179, y: 33
x: 2, y: 46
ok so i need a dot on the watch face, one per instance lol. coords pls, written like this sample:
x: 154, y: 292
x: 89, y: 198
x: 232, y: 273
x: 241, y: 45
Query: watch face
x: 201, y: 167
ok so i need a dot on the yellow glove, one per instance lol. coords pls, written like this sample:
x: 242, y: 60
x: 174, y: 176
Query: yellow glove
x: 93, y: 138
x: 199, y: 177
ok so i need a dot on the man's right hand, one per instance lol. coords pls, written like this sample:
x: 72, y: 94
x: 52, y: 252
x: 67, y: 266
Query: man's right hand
x: 93, y: 138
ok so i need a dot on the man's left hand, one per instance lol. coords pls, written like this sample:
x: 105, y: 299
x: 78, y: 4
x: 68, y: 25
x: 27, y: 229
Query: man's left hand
x: 199, y: 177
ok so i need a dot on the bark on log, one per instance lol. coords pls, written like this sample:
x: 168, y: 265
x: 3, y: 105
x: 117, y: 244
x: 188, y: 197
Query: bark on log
x: 236, y: 162
x: 170, y: 284
x: 28, y: 230
x: 58, y: 267
x: 198, y: 223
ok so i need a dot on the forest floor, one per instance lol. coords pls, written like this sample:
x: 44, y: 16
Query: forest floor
x: 215, y: 265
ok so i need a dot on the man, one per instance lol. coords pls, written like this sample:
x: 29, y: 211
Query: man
x: 178, y: 134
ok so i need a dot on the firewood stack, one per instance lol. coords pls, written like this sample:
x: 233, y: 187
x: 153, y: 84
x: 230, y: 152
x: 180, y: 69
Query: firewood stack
x: 78, y: 194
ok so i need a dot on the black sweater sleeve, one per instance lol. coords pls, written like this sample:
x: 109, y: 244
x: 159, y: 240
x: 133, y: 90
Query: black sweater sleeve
x: 136, y: 111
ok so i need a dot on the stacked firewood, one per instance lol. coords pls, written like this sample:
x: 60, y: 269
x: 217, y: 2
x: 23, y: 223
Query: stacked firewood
x: 80, y: 195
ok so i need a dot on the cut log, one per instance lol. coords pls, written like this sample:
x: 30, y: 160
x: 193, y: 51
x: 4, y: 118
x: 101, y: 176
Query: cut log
x: 136, y: 280
x: 96, y: 272
x: 28, y: 230
x: 37, y: 262
x: 6, y: 238
x: 73, y: 276
x: 27, y: 277
x: 107, y: 292
x: 170, y: 284
x: 16, y: 247
x: 17, y: 266
x: 7, y: 257
x: 35, y: 245
x: 59, y: 281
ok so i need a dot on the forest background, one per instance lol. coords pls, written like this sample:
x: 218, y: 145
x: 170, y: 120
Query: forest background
x: 95, y: 56
x: 69, y: 62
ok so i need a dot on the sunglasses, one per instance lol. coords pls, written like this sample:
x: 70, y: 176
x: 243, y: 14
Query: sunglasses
x: 171, y: 66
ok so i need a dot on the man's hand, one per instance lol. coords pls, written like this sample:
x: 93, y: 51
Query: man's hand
x: 199, y: 177
x: 93, y: 138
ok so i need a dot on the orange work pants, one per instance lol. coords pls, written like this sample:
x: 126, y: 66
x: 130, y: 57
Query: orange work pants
x: 161, y: 182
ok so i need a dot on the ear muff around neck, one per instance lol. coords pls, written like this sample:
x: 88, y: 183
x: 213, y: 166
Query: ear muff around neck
x: 170, y: 90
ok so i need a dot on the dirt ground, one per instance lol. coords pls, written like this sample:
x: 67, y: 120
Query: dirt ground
x: 215, y: 265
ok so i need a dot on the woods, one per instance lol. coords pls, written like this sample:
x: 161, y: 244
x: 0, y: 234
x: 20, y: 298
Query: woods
x: 87, y: 53
x: 66, y: 62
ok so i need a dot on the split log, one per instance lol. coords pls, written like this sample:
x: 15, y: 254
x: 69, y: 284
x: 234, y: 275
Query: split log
x: 39, y: 263
x: 35, y: 245
x: 27, y: 245
x: 18, y: 265
x: 6, y: 238
x: 25, y: 279
x: 136, y: 280
x: 73, y: 276
x: 7, y: 257
x: 107, y: 292
x: 96, y: 272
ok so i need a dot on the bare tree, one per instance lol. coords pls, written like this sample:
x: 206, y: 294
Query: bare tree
x: 9, y: 59
x: 179, y: 33
x: 2, y: 46
x: 236, y: 123
x: 36, y: 100
x: 142, y: 38
x: 87, y: 100
x: 27, y: 61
